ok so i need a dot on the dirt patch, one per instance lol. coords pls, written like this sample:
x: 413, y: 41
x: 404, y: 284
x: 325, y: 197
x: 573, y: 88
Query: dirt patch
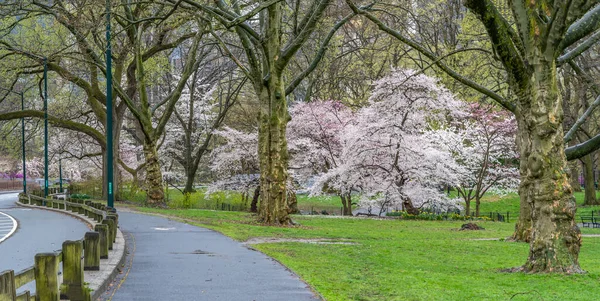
x: 470, y: 226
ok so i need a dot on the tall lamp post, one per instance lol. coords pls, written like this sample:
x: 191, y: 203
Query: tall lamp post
x: 45, y: 128
x: 110, y: 197
x: 60, y: 175
x: 22, y: 136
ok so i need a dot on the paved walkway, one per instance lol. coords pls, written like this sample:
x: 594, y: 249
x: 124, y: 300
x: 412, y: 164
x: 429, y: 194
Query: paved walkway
x: 38, y: 231
x: 176, y: 261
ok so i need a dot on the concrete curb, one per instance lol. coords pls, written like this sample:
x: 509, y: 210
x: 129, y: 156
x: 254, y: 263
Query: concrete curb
x: 109, y: 268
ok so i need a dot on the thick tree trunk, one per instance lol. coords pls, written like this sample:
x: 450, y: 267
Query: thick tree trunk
x: 477, y: 205
x: 155, y: 195
x: 545, y: 187
x: 273, y: 159
x: 272, y: 151
x: 467, y: 207
x: 590, y: 187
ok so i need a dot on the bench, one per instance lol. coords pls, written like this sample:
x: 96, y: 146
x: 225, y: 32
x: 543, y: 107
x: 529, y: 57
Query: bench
x: 590, y: 220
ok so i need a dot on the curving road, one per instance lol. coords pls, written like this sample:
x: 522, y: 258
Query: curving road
x: 38, y: 231
x: 176, y: 261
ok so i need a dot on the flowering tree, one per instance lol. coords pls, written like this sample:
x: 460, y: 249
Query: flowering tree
x: 390, y: 148
x: 315, y: 144
x: 235, y: 163
x: 483, y: 143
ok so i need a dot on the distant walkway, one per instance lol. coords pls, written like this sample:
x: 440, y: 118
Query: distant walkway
x: 177, y: 261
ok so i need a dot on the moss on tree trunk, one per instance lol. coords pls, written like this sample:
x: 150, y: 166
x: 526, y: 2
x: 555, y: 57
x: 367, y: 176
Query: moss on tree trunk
x: 545, y: 188
x: 155, y: 195
x: 273, y: 153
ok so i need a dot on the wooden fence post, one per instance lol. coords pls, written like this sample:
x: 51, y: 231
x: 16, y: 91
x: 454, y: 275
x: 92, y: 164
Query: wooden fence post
x: 111, y: 231
x: 103, y: 233
x: 46, y: 277
x: 91, y: 256
x: 72, y: 287
x: 8, y: 291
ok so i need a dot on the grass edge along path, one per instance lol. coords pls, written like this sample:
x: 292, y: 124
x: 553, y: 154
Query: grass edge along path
x: 403, y: 260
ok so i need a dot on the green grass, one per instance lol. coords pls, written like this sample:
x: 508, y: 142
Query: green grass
x: 406, y: 260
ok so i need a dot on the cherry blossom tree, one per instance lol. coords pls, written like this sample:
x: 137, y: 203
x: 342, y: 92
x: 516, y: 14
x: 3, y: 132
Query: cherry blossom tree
x: 483, y: 143
x: 315, y: 145
x: 390, y: 149
x: 235, y: 164
x: 202, y: 108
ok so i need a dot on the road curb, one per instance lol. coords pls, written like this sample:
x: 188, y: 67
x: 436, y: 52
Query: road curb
x: 109, y: 268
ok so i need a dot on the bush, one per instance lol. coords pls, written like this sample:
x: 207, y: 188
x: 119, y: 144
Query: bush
x: 80, y: 196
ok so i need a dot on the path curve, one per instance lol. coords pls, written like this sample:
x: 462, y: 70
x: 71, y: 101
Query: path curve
x: 176, y: 261
x: 38, y: 231
x: 8, y: 226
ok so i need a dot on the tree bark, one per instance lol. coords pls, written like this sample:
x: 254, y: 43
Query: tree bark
x: 190, y: 177
x: 574, y: 171
x: 545, y: 186
x: 292, y: 202
x: 467, y: 207
x: 409, y: 207
x: 590, y: 187
x: 154, y: 188
x: 273, y: 118
x: 477, y: 205
x: 272, y: 151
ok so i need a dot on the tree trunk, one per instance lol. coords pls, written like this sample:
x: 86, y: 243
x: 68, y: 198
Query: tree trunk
x: 292, y: 202
x: 477, y: 205
x: 545, y: 187
x: 272, y: 151
x: 409, y: 207
x: 190, y: 177
x: 467, y: 207
x: 574, y: 172
x: 347, y: 204
x: 273, y: 119
x: 254, y: 204
x: 590, y: 187
x: 155, y: 195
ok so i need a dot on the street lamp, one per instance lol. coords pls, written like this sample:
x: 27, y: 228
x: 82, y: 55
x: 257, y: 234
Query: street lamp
x: 110, y: 197
x: 45, y: 128
x: 60, y: 189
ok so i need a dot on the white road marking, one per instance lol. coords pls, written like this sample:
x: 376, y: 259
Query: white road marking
x: 10, y: 229
x: 164, y: 229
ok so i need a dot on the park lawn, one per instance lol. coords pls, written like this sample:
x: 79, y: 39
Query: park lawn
x: 405, y: 260
x: 510, y: 203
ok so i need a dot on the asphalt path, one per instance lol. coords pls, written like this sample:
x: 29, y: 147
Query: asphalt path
x: 38, y: 231
x: 176, y: 261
